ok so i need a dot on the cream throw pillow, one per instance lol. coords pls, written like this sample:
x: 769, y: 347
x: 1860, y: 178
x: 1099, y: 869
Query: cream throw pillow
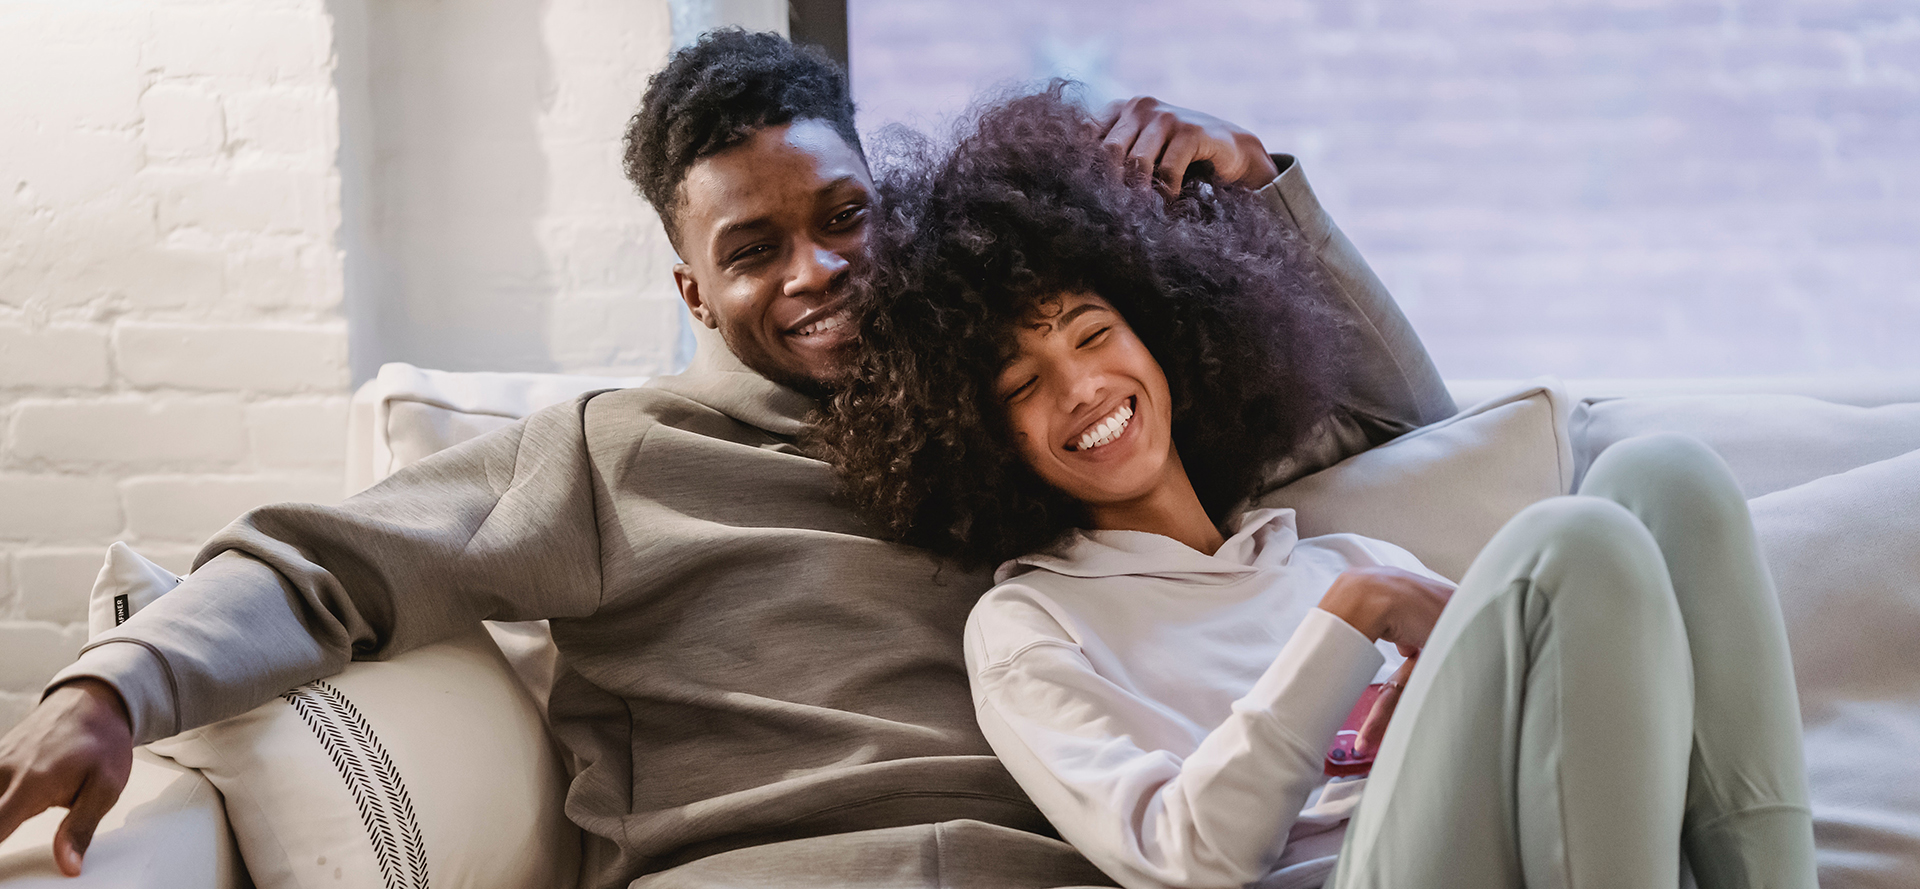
x: 1845, y: 555
x: 1441, y: 491
x: 430, y: 769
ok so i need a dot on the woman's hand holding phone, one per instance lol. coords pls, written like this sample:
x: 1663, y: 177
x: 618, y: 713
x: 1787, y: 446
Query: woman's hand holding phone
x: 1392, y: 604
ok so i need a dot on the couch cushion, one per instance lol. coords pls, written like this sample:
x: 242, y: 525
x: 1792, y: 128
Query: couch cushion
x: 1845, y: 555
x: 1441, y: 491
x: 1772, y: 442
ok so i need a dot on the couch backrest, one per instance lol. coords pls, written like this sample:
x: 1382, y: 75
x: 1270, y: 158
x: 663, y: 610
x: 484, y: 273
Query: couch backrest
x: 406, y: 412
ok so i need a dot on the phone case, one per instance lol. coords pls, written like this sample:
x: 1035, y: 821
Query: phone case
x: 1341, y: 760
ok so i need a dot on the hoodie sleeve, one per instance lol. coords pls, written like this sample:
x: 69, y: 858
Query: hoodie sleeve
x: 501, y: 527
x: 1390, y: 385
x: 1081, y: 747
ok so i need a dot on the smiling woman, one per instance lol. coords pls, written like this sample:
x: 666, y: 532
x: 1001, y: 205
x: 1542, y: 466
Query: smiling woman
x: 1071, y: 370
x: 1024, y: 252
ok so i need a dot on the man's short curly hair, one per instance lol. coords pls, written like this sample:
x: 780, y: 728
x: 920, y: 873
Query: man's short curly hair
x: 715, y: 94
x: 1025, y: 206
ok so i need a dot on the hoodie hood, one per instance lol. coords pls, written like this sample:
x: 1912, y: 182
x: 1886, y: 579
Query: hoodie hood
x: 1098, y: 553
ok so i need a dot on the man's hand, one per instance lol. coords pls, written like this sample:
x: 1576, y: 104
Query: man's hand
x: 75, y: 751
x: 1151, y: 136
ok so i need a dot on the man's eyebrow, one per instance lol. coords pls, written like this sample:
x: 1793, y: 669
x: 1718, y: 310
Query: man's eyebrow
x: 741, y: 225
x: 1047, y: 325
x: 760, y: 222
x: 841, y: 182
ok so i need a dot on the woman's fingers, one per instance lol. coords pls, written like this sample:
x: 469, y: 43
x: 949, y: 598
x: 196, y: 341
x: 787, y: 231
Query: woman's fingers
x: 1375, y: 726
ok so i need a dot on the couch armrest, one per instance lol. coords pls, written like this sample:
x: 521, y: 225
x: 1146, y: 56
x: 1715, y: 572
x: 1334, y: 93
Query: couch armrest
x: 169, y: 829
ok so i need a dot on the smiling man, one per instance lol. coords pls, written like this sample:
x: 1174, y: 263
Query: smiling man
x: 758, y: 691
x: 768, y: 262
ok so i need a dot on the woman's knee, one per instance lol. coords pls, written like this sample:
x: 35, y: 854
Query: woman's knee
x: 1588, y: 541
x: 1665, y: 471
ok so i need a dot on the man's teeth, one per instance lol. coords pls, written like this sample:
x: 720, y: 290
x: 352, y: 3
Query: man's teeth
x: 1106, y: 430
x: 823, y: 325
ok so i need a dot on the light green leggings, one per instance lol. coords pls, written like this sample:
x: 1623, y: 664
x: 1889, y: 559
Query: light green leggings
x: 1609, y: 686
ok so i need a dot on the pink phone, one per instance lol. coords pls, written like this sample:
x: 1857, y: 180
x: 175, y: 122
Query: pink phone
x: 1341, y: 760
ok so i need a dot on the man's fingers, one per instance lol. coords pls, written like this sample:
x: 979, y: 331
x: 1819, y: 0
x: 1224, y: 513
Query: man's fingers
x: 90, y: 805
x: 1124, y: 129
x: 16, y: 808
x: 1172, y: 171
x: 1108, y: 114
x: 1153, y: 140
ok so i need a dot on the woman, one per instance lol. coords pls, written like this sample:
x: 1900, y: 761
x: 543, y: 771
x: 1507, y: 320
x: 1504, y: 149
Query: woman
x: 1086, y: 380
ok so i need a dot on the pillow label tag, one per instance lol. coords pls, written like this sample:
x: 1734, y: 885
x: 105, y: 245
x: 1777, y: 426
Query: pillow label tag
x: 120, y: 610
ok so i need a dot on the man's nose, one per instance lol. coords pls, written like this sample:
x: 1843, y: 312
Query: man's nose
x: 815, y: 269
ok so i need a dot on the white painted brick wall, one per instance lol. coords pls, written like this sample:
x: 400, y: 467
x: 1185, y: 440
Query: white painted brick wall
x: 499, y: 232
x: 172, y: 346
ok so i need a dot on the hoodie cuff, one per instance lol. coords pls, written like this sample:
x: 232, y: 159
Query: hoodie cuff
x: 1318, y: 676
x: 141, y: 677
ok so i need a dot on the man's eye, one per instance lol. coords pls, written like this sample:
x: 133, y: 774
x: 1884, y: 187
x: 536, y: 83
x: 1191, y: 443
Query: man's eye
x: 847, y: 217
x: 751, y: 252
x: 1095, y: 335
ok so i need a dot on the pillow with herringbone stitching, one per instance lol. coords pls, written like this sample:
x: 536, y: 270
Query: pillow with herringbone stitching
x: 431, y: 769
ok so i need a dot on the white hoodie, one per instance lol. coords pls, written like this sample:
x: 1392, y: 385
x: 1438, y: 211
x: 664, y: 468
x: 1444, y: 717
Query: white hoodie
x: 1171, y: 711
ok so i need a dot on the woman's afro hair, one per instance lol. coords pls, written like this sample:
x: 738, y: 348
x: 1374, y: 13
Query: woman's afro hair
x: 1026, y: 205
x: 715, y: 94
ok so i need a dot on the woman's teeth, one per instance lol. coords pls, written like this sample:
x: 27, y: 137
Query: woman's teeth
x: 1106, y: 430
x: 823, y: 325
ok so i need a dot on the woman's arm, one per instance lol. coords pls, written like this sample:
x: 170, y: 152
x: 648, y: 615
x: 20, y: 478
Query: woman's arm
x: 1101, y: 762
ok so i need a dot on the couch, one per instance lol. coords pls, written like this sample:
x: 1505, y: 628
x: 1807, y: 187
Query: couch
x: 1828, y: 462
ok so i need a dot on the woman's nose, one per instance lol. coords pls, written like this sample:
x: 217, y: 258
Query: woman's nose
x: 1083, y: 386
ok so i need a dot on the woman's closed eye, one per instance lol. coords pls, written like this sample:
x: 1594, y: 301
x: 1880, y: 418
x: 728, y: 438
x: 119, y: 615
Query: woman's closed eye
x: 1097, y: 334
x: 1020, y: 391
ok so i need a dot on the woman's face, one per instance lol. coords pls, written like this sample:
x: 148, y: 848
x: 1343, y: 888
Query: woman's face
x: 1088, y: 404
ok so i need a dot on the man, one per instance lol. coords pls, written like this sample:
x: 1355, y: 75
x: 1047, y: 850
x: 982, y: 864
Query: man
x: 753, y: 686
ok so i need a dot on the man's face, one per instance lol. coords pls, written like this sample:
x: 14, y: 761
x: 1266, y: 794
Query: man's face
x: 770, y: 231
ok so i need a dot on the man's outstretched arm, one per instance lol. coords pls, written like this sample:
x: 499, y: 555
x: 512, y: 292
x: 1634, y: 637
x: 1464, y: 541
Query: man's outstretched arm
x: 1390, y: 385
x: 500, y: 527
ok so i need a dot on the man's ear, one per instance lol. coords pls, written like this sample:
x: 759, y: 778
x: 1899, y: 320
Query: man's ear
x: 690, y: 293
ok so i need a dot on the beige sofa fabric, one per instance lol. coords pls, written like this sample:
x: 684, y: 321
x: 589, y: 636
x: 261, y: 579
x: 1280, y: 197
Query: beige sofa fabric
x: 168, y: 831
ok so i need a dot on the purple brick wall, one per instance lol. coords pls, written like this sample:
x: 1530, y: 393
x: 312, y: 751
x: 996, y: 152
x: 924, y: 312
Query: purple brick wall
x: 1629, y: 188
